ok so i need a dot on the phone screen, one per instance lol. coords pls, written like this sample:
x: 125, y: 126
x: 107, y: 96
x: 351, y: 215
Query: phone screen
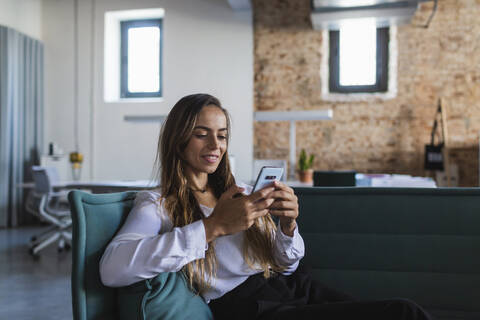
x: 267, y: 176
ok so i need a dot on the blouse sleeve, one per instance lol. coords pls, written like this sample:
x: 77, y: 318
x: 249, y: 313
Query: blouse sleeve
x: 288, y: 250
x: 147, y: 245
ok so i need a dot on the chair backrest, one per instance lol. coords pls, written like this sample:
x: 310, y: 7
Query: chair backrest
x: 334, y: 178
x: 41, y: 180
x: 44, y: 178
x: 259, y: 163
x: 96, y: 218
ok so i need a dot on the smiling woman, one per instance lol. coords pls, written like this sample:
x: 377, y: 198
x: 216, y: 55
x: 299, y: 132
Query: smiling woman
x: 221, y: 236
x: 208, y: 143
x: 192, y: 149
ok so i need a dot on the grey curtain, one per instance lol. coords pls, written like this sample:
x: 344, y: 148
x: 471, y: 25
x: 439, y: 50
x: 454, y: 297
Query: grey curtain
x: 21, y: 119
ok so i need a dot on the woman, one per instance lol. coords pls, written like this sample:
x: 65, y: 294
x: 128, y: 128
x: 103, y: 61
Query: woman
x: 222, y: 237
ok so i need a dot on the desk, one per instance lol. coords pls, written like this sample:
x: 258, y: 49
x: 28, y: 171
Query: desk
x: 298, y: 184
x: 107, y: 186
x: 100, y: 186
x: 290, y: 183
x: 118, y: 186
x: 393, y: 180
x: 382, y: 180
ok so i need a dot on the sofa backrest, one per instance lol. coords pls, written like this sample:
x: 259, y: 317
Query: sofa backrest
x: 95, y: 219
x: 375, y: 243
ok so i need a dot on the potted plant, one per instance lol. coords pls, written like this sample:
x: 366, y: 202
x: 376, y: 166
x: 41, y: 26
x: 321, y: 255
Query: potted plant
x: 305, y: 163
x: 76, y: 159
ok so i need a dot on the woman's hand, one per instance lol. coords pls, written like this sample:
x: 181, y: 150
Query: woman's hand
x: 233, y: 214
x: 285, y: 207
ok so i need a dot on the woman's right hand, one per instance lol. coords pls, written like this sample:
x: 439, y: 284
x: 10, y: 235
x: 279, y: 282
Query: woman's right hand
x: 233, y: 214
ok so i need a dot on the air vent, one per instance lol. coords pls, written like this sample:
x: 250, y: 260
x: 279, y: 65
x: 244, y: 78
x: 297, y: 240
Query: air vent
x: 330, y: 14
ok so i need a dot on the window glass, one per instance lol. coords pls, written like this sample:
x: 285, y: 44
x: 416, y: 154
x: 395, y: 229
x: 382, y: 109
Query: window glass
x: 141, y: 52
x: 143, y: 59
x: 358, y: 58
x: 358, y: 54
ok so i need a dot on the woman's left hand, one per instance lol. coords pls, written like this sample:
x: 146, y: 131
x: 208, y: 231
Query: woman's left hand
x: 285, y: 207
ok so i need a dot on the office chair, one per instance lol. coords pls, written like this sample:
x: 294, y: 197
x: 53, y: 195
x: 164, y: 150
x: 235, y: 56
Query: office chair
x: 45, y: 203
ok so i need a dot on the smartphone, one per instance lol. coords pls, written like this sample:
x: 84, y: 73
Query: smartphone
x: 267, y: 176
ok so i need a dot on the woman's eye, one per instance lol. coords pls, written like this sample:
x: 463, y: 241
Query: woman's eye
x: 222, y: 137
x: 200, y: 135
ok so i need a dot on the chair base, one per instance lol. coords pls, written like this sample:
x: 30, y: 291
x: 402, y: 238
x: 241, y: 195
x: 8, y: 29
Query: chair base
x: 62, y: 235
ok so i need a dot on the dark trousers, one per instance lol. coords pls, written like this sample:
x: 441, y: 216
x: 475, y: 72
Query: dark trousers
x: 299, y: 297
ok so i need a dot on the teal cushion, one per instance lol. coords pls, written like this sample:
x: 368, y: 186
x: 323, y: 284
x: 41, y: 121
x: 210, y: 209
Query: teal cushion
x: 166, y: 297
x: 377, y: 243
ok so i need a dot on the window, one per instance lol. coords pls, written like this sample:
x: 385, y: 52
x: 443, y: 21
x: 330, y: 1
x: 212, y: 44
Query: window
x: 359, y: 58
x: 141, y: 58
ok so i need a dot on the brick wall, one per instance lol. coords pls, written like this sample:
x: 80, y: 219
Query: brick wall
x: 382, y: 136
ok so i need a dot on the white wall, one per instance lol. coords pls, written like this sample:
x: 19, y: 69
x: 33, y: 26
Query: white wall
x: 23, y: 16
x: 207, y: 48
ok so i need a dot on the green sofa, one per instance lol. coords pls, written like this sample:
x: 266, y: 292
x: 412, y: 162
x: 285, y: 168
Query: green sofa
x: 372, y: 243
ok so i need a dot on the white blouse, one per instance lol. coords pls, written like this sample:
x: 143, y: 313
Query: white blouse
x: 147, y: 244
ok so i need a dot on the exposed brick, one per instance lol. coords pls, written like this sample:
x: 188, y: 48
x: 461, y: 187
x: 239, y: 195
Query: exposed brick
x: 377, y: 135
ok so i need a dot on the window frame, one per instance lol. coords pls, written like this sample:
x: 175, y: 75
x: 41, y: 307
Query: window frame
x: 124, y: 26
x: 381, y: 84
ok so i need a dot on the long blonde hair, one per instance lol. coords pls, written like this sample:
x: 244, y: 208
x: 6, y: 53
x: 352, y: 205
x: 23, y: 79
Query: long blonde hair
x: 183, y: 207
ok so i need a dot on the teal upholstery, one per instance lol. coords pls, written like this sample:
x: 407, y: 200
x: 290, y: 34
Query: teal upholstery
x: 96, y: 219
x: 374, y: 243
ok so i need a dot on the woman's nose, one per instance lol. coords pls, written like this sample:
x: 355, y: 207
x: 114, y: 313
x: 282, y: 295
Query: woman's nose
x: 213, y: 142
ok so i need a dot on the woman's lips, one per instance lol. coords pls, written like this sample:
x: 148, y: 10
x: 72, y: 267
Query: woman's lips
x: 210, y: 158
